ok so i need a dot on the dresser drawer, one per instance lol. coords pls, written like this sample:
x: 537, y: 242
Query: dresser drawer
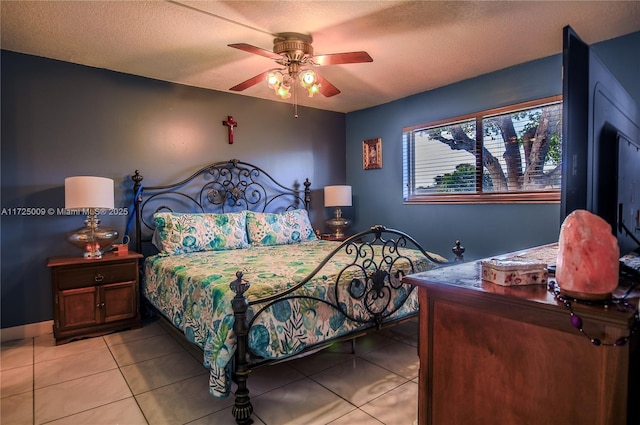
x: 99, y: 274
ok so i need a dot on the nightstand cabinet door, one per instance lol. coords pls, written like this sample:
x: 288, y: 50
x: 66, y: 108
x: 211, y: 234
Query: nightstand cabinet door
x: 119, y: 301
x: 94, y: 297
x: 78, y: 308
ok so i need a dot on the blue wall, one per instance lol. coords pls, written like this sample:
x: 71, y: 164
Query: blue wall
x: 484, y: 229
x: 61, y: 119
x: 622, y: 57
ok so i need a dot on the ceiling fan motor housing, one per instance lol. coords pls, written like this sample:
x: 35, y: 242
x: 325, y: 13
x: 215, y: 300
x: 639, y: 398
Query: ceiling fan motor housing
x: 297, y: 47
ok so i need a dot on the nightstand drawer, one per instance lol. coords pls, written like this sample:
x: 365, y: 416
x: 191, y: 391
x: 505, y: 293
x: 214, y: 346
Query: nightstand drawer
x: 99, y: 274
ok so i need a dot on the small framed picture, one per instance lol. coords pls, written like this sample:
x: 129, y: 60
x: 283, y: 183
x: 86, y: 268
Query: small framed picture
x: 372, y: 154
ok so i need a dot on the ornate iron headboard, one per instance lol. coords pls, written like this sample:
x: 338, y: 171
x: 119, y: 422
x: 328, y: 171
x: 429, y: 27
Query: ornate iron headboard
x: 220, y: 187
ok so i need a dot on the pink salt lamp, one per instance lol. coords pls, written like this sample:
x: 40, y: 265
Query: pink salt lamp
x: 588, y: 255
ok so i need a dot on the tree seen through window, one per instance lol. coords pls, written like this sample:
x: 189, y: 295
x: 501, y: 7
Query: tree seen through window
x: 514, y: 151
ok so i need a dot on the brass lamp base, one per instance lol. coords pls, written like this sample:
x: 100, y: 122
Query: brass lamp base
x: 338, y: 224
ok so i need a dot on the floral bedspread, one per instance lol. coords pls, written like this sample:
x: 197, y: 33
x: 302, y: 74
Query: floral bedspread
x: 192, y: 291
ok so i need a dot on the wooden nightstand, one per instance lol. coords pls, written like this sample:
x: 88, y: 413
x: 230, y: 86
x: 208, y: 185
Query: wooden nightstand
x: 94, y: 297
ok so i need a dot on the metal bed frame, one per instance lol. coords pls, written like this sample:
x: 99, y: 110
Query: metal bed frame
x: 235, y: 185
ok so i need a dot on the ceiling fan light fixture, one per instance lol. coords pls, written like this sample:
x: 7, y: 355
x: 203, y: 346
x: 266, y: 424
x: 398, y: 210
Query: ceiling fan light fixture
x: 315, y: 88
x: 274, y: 79
x: 308, y: 78
x: 283, y: 91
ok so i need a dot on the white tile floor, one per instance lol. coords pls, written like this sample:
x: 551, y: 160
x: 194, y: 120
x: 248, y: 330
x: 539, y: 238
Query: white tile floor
x: 147, y: 376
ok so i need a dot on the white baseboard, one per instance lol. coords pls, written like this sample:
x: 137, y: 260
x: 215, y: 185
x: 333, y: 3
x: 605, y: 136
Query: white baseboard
x: 31, y: 330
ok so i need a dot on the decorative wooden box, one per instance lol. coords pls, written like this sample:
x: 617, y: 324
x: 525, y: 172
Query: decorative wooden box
x: 514, y: 272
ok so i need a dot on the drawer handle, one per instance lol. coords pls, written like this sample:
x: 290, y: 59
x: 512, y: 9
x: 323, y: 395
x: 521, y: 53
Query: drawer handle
x: 98, y: 278
x: 100, y: 305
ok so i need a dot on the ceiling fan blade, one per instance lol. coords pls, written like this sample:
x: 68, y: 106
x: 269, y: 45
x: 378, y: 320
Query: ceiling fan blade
x: 255, y: 50
x: 250, y: 82
x: 326, y: 88
x: 342, y: 58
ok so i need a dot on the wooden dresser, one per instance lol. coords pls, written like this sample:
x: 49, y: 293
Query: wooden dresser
x: 94, y: 297
x: 509, y: 355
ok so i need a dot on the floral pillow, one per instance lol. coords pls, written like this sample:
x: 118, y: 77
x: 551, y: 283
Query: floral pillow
x: 183, y: 233
x: 279, y: 229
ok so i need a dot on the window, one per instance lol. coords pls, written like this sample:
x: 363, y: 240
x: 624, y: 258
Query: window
x: 505, y: 155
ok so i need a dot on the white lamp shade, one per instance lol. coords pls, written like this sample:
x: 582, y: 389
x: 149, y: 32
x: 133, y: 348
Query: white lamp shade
x: 337, y: 196
x: 88, y: 192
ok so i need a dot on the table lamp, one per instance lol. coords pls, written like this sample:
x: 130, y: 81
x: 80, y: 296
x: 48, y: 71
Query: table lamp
x: 337, y: 196
x: 88, y: 195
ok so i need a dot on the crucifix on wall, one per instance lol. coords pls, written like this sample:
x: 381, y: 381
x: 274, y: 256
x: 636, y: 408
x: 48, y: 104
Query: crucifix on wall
x: 231, y: 124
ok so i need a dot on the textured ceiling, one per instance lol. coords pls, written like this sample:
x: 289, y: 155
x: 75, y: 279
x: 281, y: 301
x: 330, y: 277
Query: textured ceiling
x: 415, y: 45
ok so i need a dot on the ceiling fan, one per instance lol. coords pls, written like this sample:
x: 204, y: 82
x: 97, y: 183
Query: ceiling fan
x: 294, y: 53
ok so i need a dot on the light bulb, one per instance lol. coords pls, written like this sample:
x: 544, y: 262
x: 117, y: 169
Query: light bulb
x: 283, y: 92
x: 274, y: 79
x: 315, y: 88
x: 308, y: 78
